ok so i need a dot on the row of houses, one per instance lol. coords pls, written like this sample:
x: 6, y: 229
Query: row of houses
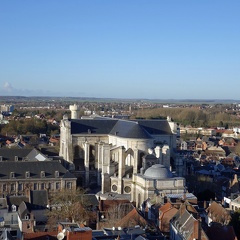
x: 184, y: 217
x: 25, y: 217
x: 204, y: 142
x: 180, y: 216
x: 29, y: 141
x: 233, y: 133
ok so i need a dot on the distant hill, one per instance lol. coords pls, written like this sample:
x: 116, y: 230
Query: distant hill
x: 5, y: 99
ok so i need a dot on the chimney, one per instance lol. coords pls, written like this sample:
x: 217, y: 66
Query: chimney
x: 182, y: 208
x: 204, y: 204
x: 184, y: 194
x: 196, y: 230
x: 146, y: 213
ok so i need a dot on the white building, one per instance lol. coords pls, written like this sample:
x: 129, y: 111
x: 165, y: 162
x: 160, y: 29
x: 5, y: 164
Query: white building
x: 116, y: 154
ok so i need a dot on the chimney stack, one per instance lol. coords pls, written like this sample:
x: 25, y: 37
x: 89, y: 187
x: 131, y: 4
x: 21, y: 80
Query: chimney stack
x: 196, y: 230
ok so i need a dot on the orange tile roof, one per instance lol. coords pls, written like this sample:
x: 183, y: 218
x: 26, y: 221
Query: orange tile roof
x: 40, y: 236
x: 104, y: 205
x: 132, y: 219
x: 165, y: 207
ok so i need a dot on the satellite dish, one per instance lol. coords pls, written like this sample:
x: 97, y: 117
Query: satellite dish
x: 60, y: 236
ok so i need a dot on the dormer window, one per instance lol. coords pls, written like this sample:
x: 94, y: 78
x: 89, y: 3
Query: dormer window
x: 1, y: 158
x: 42, y: 174
x: 56, y: 174
x: 12, y: 175
x: 16, y: 158
x: 27, y: 174
x: 14, y: 208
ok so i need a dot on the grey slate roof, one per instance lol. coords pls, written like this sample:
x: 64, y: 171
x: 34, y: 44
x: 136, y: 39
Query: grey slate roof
x: 26, y: 154
x: 129, y: 129
x: 8, y: 154
x: 155, y: 127
x: 122, y: 128
x: 24, y: 208
x: 185, y: 222
x: 97, y: 126
x: 35, y: 168
x: 16, y: 200
x: 39, y: 197
x: 90, y: 199
x: 36, y: 155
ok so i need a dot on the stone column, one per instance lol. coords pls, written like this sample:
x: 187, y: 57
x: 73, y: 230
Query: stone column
x: 66, y: 139
x: 96, y: 156
x: 121, y: 169
x: 86, y: 162
x: 106, y: 158
x: 105, y: 166
x: 166, y: 156
x: 158, y: 153
x: 136, y: 156
x: 99, y: 167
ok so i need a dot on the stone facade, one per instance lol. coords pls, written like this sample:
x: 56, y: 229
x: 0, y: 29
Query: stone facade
x: 110, y: 152
x: 18, y: 178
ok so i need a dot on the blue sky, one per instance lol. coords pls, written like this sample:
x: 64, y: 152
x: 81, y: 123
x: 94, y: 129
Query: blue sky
x: 155, y: 49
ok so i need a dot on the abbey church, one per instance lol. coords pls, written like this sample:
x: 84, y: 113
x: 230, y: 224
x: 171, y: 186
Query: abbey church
x: 122, y: 156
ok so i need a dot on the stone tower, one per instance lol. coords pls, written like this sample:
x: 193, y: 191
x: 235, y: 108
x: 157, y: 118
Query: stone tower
x: 74, y: 111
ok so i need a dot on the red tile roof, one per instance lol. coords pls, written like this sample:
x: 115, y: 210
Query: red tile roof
x: 40, y: 236
x: 132, y: 219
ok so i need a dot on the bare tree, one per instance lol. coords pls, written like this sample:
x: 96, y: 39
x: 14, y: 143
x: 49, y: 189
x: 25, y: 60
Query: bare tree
x: 115, y: 213
x: 68, y: 205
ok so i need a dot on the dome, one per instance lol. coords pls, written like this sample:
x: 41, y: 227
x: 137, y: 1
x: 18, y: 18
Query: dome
x: 158, y: 171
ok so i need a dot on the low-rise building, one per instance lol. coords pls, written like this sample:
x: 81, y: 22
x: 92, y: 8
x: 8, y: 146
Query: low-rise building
x: 17, y: 178
x: 186, y: 225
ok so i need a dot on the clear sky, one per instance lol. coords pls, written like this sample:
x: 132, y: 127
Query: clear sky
x: 155, y: 49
